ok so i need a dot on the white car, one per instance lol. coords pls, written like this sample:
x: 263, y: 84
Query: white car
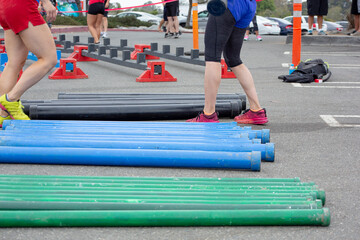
x: 142, y: 16
x: 266, y: 26
x: 304, y: 23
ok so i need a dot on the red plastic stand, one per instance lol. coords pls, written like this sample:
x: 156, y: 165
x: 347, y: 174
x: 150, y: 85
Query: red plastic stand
x: 139, y: 48
x: 58, y: 45
x: 2, y: 48
x: 78, y: 56
x: 62, y: 73
x: 159, y: 76
x: 225, y: 71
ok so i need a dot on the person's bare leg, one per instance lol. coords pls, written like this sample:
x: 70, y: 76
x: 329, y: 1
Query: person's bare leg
x: 246, y: 81
x: 160, y: 25
x: 171, y: 24
x: 357, y: 22
x: 311, y: 22
x: 211, y: 85
x: 91, y: 22
x: 17, y: 54
x: 98, y: 22
x: 105, y: 24
x: 320, y: 20
x: 176, y: 24
x: 39, y: 41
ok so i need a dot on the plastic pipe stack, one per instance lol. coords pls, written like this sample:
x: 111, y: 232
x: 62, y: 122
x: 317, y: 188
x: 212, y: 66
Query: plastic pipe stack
x: 130, y: 107
x: 75, y: 201
x: 152, y: 144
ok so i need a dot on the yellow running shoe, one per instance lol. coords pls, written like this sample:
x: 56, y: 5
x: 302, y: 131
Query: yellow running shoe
x: 14, y: 109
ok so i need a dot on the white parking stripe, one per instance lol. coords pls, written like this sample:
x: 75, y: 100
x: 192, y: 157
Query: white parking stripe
x: 318, y: 86
x: 332, y: 122
x: 285, y: 65
x: 287, y: 53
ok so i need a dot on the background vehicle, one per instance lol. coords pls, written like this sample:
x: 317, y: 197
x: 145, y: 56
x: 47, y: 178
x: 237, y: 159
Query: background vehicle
x: 304, y: 23
x: 344, y: 24
x: 202, y: 19
x: 266, y: 26
x: 333, y: 27
x: 182, y: 19
x: 286, y: 27
x: 142, y: 16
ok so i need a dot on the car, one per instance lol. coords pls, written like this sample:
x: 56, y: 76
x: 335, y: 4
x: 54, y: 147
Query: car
x: 142, y: 16
x: 286, y: 27
x: 344, y: 24
x: 266, y: 26
x: 202, y: 19
x: 304, y: 23
x: 333, y: 27
x: 182, y: 19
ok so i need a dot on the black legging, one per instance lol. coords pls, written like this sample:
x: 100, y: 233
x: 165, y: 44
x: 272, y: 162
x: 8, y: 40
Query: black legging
x: 221, y: 36
x: 254, y: 23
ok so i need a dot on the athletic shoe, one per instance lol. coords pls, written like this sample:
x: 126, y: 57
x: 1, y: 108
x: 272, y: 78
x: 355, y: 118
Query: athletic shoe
x: 105, y: 35
x: 322, y: 33
x: 201, y: 117
x: 250, y: 117
x: 258, y: 38
x: 357, y: 33
x: 176, y: 35
x: 310, y: 32
x: 2, y: 119
x: 352, y: 32
x: 14, y: 109
x: 246, y: 37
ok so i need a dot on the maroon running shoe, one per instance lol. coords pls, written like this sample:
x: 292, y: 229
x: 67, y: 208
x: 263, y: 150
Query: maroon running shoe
x: 250, y: 117
x: 201, y: 117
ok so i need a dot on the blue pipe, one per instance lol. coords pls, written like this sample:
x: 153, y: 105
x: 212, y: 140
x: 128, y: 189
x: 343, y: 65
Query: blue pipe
x: 253, y: 134
x: 80, y: 136
x: 121, y: 123
x: 267, y: 150
x: 131, y: 157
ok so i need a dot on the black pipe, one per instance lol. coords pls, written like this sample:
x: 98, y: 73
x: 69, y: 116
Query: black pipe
x: 130, y: 112
x: 107, y: 101
x: 234, y: 96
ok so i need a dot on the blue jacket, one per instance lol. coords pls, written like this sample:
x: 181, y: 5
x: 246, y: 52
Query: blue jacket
x: 243, y: 11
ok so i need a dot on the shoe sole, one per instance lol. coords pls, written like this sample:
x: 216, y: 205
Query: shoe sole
x: 259, y: 121
x: 4, y: 109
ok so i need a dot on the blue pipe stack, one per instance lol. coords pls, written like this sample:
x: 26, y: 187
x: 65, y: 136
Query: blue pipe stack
x: 146, y: 144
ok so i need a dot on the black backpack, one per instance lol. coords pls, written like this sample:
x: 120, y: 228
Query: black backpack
x: 308, y: 71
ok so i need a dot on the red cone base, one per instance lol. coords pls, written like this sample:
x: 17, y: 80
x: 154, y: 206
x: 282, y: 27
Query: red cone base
x: 156, y: 73
x: 79, y: 57
x: 62, y: 73
x: 225, y: 71
x: 2, y: 48
x: 139, y: 48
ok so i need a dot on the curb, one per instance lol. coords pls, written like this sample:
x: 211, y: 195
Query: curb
x: 327, y: 40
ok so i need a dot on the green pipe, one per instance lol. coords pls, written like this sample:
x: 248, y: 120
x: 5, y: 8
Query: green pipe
x: 139, y: 200
x: 34, y: 205
x: 246, y: 192
x: 160, y: 196
x: 162, y: 184
x: 103, y: 187
x: 118, y: 218
x: 163, y: 179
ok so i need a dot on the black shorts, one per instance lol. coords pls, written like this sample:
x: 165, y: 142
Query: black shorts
x: 354, y: 7
x: 106, y: 13
x: 165, y: 14
x: 222, y: 37
x: 172, y: 9
x: 96, y: 8
x: 317, y: 7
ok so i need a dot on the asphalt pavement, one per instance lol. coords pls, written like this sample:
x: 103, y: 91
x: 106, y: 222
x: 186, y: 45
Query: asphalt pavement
x: 315, y: 128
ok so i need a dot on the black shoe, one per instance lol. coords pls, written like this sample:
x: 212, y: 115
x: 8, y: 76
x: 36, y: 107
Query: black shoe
x: 167, y: 35
x: 176, y: 35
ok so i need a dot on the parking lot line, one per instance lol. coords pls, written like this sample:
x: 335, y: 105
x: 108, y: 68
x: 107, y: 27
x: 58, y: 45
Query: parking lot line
x: 332, y: 122
x: 299, y: 85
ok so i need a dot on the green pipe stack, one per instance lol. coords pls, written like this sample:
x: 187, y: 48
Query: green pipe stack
x: 79, y: 201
